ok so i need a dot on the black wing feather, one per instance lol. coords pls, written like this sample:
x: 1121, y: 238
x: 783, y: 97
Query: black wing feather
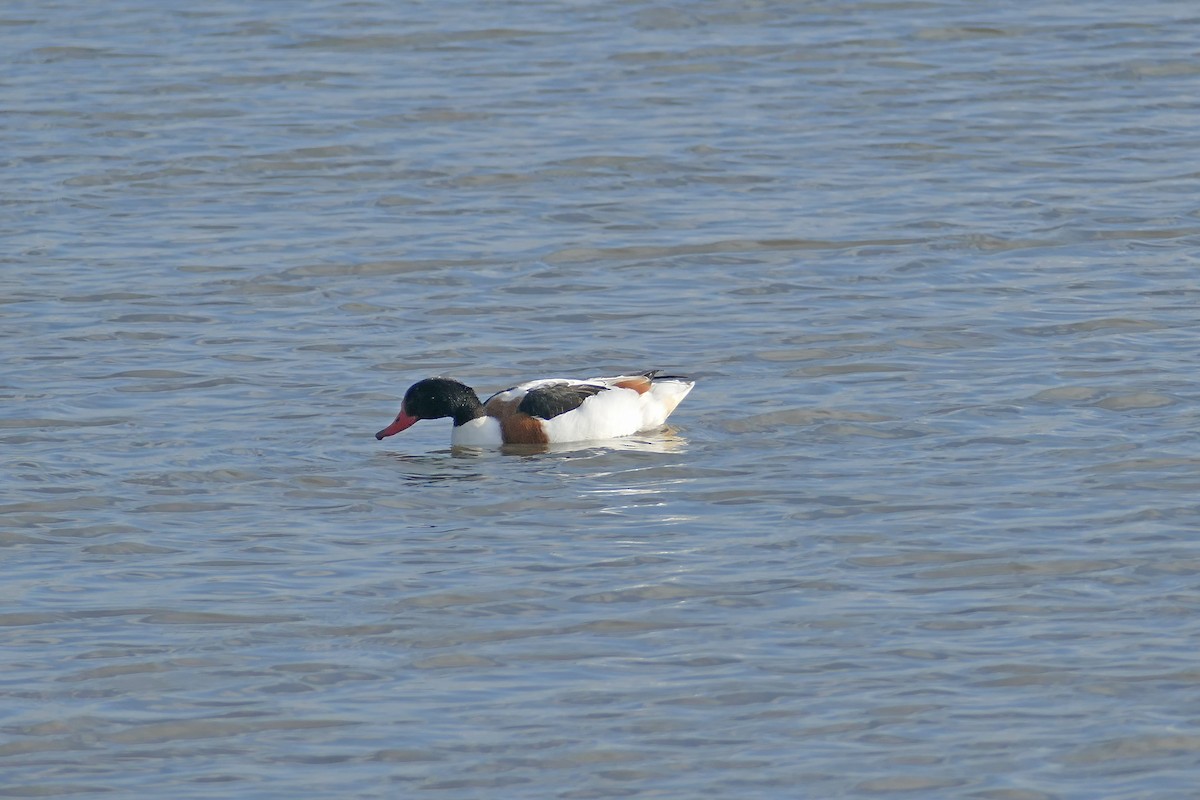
x: 548, y: 402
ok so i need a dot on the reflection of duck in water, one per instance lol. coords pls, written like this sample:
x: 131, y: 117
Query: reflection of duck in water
x: 547, y: 411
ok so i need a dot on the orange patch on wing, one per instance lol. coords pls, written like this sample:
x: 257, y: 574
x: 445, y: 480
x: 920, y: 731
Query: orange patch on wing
x: 640, y: 384
x: 495, y: 407
x: 515, y: 427
x: 523, y: 429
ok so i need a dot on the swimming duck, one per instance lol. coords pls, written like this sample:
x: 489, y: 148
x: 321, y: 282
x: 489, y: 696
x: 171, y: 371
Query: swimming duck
x: 545, y: 411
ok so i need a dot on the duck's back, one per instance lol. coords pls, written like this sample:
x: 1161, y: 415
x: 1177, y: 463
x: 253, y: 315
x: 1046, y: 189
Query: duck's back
x: 556, y: 410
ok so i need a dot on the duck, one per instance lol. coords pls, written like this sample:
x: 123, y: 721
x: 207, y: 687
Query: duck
x: 544, y: 411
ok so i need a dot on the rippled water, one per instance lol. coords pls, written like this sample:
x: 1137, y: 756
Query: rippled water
x: 926, y: 527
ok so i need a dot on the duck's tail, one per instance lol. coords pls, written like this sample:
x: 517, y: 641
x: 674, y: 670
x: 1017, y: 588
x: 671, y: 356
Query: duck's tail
x: 669, y: 390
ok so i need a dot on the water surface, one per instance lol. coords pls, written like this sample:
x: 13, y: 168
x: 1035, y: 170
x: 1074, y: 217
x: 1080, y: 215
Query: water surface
x: 925, y: 527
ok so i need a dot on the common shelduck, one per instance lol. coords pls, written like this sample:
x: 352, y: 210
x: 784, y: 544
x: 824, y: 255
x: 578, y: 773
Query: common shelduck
x: 546, y: 411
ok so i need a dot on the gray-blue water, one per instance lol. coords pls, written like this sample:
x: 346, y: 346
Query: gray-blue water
x: 927, y: 527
